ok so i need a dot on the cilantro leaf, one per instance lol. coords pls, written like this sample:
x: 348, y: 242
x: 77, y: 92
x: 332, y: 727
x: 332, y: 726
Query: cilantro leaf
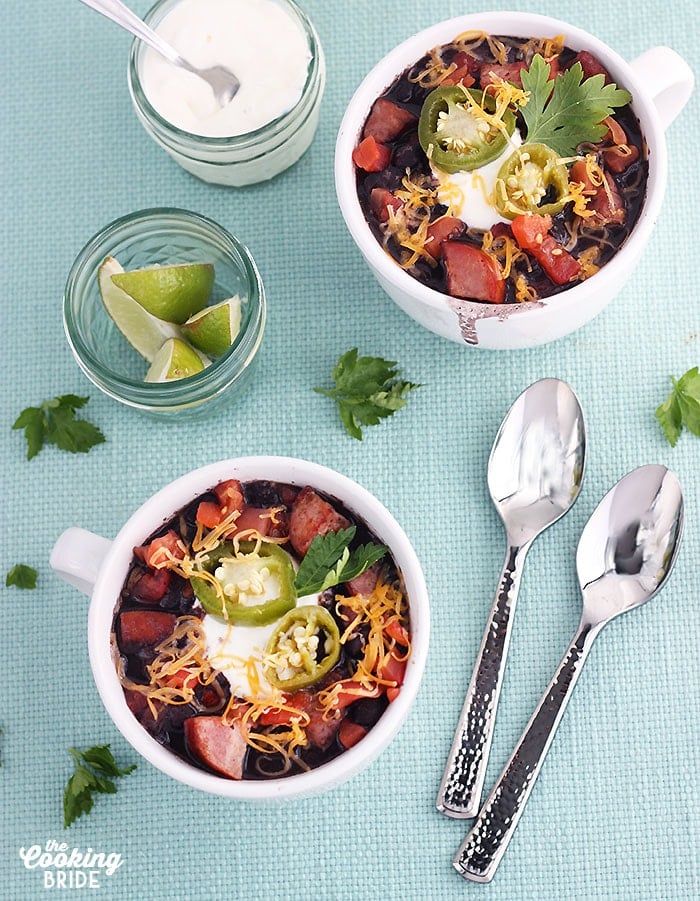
x: 92, y: 766
x: 54, y: 422
x: 367, y: 390
x: 681, y: 407
x: 22, y: 576
x: 329, y: 561
x: 567, y: 111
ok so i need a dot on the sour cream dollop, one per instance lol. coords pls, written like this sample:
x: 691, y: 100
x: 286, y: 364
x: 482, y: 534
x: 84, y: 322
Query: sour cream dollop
x: 470, y: 194
x: 258, y: 40
x: 237, y: 652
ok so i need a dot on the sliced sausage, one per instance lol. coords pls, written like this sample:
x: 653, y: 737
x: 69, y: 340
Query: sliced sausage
x: 220, y: 747
x: 311, y: 516
x: 471, y: 273
x: 140, y: 630
x: 387, y: 121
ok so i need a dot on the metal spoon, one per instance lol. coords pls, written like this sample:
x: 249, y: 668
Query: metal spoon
x: 222, y: 81
x: 534, y: 476
x: 625, y: 555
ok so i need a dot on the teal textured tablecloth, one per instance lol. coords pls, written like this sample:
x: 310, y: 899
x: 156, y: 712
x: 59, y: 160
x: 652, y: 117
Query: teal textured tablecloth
x: 614, y: 814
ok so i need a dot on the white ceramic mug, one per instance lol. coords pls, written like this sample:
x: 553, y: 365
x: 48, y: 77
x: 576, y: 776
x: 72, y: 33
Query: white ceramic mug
x: 98, y: 567
x: 660, y: 82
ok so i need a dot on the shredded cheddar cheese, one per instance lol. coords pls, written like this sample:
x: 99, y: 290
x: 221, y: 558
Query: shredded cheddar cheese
x: 378, y: 610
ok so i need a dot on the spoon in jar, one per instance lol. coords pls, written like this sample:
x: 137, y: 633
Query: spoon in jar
x: 625, y: 554
x: 535, y: 472
x: 222, y: 81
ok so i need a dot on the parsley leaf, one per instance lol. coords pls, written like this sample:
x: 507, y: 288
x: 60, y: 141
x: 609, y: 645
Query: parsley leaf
x: 367, y: 389
x: 567, y: 111
x: 54, y: 422
x: 93, y: 766
x: 329, y: 561
x: 681, y: 407
x: 22, y: 576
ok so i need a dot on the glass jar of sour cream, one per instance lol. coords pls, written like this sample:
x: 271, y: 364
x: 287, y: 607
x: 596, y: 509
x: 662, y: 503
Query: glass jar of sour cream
x: 273, y: 118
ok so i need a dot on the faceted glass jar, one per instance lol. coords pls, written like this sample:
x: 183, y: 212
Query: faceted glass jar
x: 241, y: 159
x: 147, y: 238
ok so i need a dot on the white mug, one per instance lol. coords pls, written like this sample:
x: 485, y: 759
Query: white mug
x: 98, y: 567
x: 660, y: 82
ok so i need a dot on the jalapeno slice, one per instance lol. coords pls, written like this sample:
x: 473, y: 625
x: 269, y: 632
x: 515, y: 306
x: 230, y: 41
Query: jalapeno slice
x: 256, y: 581
x: 302, y: 649
x: 453, y: 134
x: 534, y: 173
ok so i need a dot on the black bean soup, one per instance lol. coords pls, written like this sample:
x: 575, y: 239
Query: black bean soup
x: 318, y: 671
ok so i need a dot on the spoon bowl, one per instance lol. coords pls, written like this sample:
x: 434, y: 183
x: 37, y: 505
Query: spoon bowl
x: 641, y: 519
x: 221, y: 80
x: 535, y: 472
x: 625, y: 555
x: 536, y: 464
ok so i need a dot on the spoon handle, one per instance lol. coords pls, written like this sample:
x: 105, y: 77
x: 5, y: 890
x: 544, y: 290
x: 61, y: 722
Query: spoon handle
x: 122, y: 15
x: 486, y: 843
x: 459, y: 795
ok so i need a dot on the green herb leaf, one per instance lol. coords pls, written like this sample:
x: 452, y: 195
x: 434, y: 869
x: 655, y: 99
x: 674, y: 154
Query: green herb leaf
x: 681, y: 407
x: 329, y: 561
x: 55, y: 422
x: 21, y: 576
x: 567, y: 111
x: 367, y: 390
x: 92, y: 766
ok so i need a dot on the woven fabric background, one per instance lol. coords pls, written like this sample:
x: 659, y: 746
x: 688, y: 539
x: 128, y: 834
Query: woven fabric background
x: 614, y: 813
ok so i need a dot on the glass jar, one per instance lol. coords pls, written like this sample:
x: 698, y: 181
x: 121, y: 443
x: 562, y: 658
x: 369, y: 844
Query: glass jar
x: 146, y: 238
x: 242, y: 159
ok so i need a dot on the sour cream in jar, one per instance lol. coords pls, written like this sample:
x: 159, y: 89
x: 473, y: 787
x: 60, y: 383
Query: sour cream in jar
x: 256, y: 39
x: 272, y: 47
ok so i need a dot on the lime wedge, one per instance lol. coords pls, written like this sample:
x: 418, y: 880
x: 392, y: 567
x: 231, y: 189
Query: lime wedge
x: 172, y: 293
x: 214, y: 329
x: 175, y: 360
x: 144, y: 332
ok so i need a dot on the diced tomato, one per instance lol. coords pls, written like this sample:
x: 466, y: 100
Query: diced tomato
x: 392, y: 669
x: 471, y: 273
x: 529, y: 231
x: 591, y: 65
x: 152, y: 554
x: 606, y: 203
x: 532, y: 234
x: 219, y: 746
x: 386, y: 121
x: 151, y: 586
x: 621, y: 155
x: 350, y: 733
x: 182, y: 679
x: 209, y: 514
x: 442, y: 230
x: 392, y: 693
x: 142, y: 630
x: 464, y: 73
x: 311, y: 516
x: 395, y: 629
x: 230, y: 496
x: 351, y: 691
x: 371, y: 155
x: 381, y: 201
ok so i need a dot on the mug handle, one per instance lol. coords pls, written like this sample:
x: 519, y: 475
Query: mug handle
x: 668, y: 79
x: 77, y: 557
